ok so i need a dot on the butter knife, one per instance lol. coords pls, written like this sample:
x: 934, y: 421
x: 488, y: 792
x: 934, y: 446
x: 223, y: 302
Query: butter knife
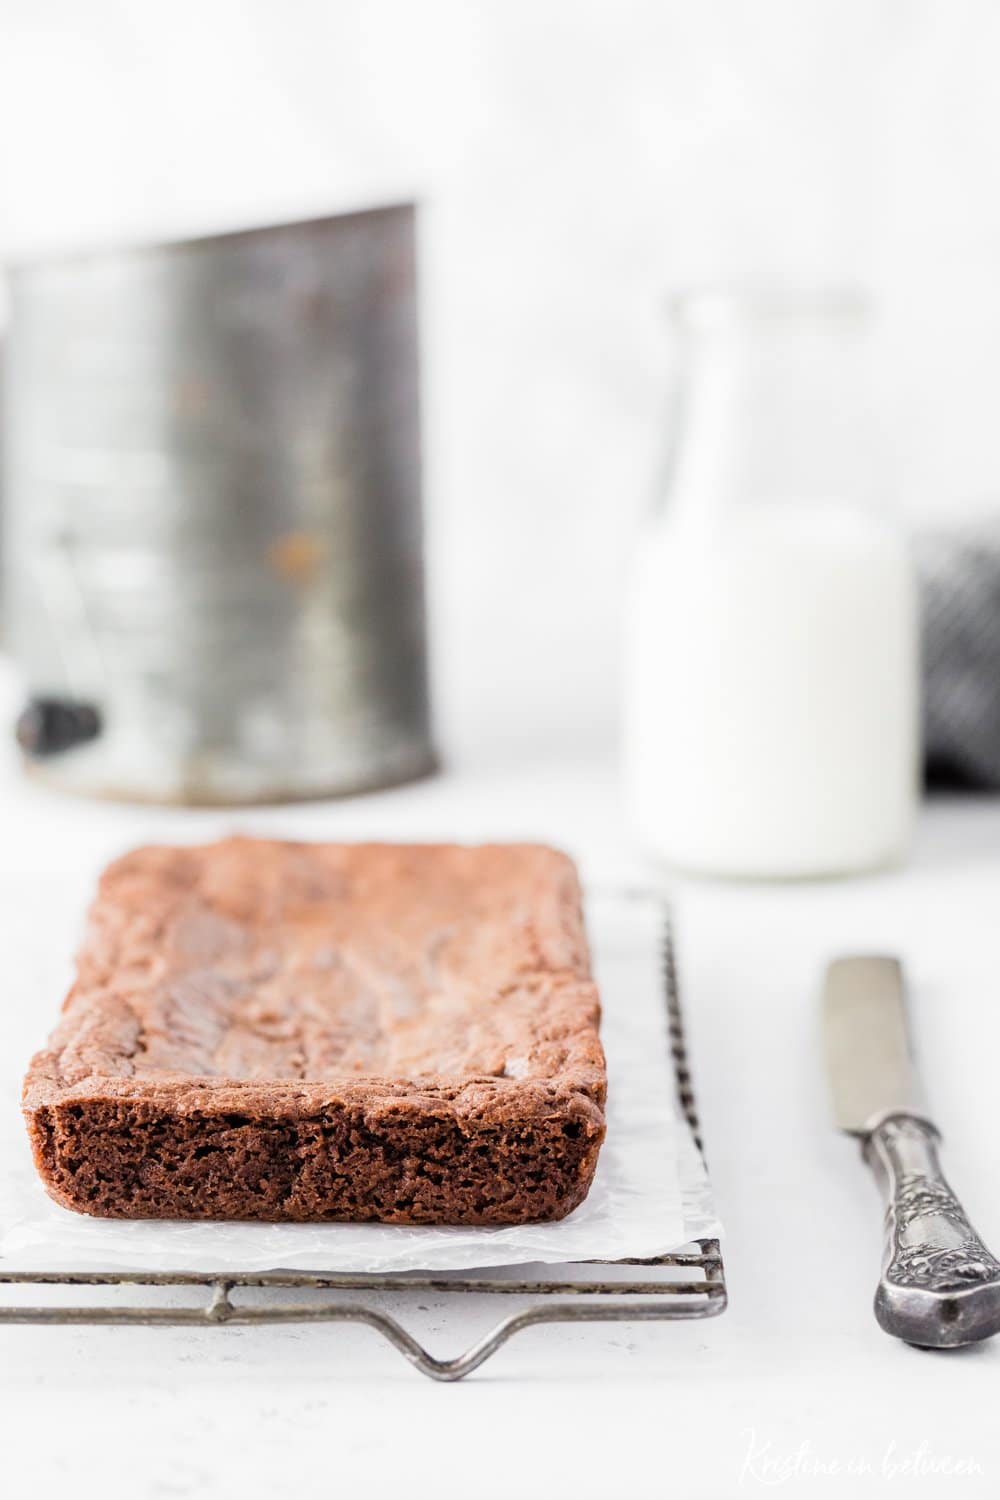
x: 940, y: 1286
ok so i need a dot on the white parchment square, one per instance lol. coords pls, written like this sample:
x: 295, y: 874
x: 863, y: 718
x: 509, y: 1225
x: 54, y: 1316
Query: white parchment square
x: 650, y: 1194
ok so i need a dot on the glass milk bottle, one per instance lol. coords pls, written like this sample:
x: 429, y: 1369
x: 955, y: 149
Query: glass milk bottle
x: 771, y: 674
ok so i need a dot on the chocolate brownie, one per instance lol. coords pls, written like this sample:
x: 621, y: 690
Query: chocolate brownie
x: 268, y: 1030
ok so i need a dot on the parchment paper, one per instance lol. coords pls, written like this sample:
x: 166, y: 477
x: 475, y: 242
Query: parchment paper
x: 650, y: 1194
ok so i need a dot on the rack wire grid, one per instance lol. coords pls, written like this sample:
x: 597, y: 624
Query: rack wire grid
x: 686, y: 1284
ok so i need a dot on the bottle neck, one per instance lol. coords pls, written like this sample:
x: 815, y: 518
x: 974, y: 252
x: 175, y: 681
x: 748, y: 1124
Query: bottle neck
x: 772, y: 412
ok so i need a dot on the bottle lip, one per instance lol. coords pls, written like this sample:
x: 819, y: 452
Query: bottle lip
x: 731, y: 305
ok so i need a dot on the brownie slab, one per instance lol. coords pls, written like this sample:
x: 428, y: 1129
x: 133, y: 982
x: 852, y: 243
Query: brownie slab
x: 289, y: 1031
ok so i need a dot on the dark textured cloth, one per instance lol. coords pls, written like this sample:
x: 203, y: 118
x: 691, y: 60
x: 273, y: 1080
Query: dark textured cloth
x: 960, y: 600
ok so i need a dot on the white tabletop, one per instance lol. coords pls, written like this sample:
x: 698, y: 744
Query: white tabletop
x: 794, y: 1385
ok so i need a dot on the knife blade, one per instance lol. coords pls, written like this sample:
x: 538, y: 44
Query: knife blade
x: 868, y: 1048
x: 940, y: 1285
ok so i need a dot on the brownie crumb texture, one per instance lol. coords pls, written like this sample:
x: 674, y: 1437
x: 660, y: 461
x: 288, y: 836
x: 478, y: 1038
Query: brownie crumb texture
x: 267, y: 1030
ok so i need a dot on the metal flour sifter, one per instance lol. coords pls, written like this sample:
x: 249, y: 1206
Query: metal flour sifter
x: 213, y: 551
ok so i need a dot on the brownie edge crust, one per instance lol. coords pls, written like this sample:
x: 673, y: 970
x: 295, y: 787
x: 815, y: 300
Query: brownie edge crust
x: 278, y: 1031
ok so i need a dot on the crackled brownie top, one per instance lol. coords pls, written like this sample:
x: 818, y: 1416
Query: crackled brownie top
x: 381, y: 968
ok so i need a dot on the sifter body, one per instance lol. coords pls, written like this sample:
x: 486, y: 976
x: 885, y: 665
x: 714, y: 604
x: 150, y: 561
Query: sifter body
x: 213, y: 543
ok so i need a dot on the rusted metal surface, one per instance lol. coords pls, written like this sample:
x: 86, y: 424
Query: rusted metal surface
x: 213, y: 513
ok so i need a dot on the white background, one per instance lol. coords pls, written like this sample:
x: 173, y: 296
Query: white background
x: 577, y: 160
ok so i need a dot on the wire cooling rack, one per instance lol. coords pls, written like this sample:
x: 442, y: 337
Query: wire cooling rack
x: 688, y: 1283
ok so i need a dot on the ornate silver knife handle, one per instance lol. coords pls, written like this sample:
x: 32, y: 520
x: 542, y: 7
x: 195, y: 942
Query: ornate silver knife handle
x: 940, y: 1285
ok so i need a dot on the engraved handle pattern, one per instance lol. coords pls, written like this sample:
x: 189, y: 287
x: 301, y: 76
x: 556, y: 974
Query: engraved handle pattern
x: 940, y: 1285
